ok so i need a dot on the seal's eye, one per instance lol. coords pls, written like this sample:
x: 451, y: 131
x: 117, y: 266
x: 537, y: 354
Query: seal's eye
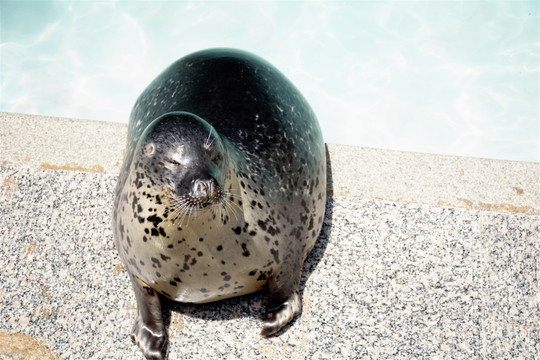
x: 172, y: 163
x: 214, y: 156
x: 175, y: 158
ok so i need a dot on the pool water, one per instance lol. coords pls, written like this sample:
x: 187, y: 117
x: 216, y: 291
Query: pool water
x: 445, y: 77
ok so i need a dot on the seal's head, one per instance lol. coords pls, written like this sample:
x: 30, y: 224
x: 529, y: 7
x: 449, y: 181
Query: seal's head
x: 181, y: 155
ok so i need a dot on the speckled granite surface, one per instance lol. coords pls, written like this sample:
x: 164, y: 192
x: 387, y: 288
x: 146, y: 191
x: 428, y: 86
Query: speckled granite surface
x: 388, y: 279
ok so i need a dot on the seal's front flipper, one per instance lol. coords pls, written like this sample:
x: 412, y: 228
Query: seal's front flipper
x: 148, y: 331
x: 284, y: 302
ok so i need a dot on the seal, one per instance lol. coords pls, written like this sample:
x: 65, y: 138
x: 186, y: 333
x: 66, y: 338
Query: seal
x: 222, y: 190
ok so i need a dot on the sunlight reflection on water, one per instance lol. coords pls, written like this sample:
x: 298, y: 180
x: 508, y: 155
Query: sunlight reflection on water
x: 450, y: 77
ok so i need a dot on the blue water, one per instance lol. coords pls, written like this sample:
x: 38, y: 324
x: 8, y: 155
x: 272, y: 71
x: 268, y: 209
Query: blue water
x: 446, y: 77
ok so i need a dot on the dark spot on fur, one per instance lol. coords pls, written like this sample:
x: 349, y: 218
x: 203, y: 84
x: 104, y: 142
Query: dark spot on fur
x: 154, y: 219
x: 156, y: 262
x: 219, y: 248
x: 275, y: 253
x: 173, y: 283
x: 252, y: 272
x: 273, y: 231
x: 262, y: 225
x: 154, y: 232
x: 162, y: 231
x: 245, y: 251
x: 164, y: 257
x: 237, y: 230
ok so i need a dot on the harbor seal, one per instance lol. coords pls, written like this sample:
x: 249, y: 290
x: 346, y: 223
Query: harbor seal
x: 222, y: 191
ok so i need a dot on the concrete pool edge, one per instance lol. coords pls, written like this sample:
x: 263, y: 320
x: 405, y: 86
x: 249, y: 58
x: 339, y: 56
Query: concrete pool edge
x: 53, y: 143
x: 382, y: 273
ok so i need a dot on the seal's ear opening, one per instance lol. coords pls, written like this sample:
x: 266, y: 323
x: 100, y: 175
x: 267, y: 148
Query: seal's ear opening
x: 149, y: 149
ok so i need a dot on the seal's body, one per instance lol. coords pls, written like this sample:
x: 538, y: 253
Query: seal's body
x: 222, y: 190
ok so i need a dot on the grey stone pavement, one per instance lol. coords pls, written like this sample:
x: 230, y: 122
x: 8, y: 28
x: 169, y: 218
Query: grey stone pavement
x: 421, y: 257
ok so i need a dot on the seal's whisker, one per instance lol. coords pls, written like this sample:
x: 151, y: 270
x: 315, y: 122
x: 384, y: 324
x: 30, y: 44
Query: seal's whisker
x: 227, y: 194
x: 228, y: 207
x: 186, y: 206
x: 223, y: 209
x: 233, y: 205
x: 209, y: 141
x: 185, y: 209
x: 180, y: 208
x: 228, y: 203
x: 231, y: 195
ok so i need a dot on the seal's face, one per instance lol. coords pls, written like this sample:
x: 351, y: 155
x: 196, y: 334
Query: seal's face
x: 181, y: 154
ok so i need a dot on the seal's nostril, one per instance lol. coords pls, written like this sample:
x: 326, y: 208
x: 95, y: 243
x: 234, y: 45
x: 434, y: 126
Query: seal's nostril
x: 203, y: 190
x: 200, y: 189
x: 209, y: 187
